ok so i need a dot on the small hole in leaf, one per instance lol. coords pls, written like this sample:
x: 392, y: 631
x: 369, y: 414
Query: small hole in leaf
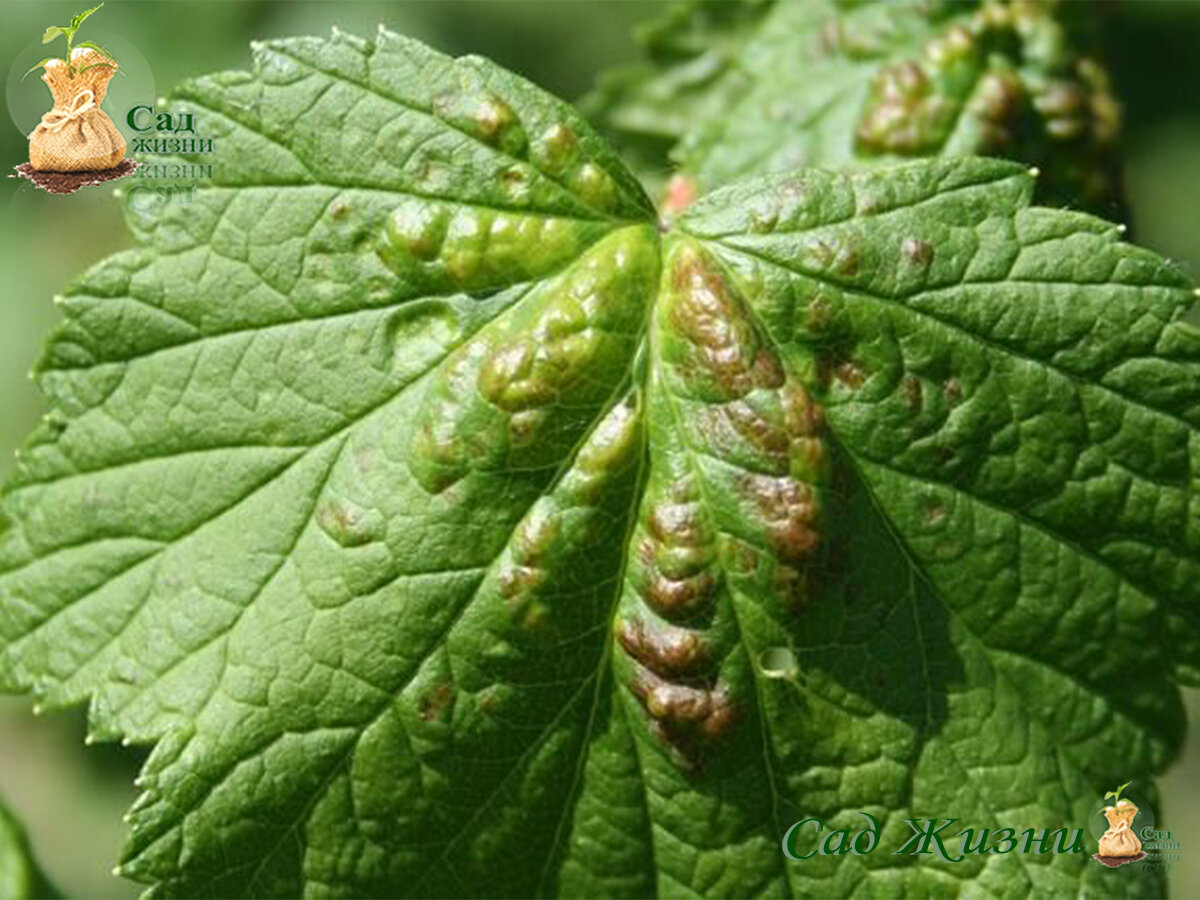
x: 778, y: 662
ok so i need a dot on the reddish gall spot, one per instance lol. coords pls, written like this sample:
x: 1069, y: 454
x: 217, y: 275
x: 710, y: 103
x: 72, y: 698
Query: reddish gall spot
x: 917, y: 252
x: 679, y: 194
x: 849, y: 374
x: 436, y: 704
x: 669, y: 651
x: 914, y: 397
x: 952, y: 388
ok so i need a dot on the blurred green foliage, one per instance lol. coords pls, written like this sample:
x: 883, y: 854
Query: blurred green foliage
x: 71, y: 799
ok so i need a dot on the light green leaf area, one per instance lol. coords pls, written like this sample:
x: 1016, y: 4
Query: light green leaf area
x: 452, y: 529
x: 736, y: 89
x: 20, y: 877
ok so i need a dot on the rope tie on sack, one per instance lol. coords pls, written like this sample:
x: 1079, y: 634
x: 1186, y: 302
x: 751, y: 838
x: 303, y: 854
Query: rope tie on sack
x: 57, y: 118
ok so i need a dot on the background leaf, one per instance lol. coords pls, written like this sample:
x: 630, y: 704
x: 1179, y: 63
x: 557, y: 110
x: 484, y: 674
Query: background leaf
x: 746, y: 88
x: 20, y: 877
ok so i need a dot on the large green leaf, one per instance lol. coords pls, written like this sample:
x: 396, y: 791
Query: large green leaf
x: 452, y: 529
x: 20, y: 876
x: 735, y: 89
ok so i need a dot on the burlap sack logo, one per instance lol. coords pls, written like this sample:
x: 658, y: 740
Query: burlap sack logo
x: 76, y: 143
x: 1119, y: 845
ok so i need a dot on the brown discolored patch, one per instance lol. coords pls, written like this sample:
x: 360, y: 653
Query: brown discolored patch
x: 523, y: 426
x: 667, y: 650
x: 676, y: 554
x: 676, y: 523
x: 726, y: 346
x: 723, y: 713
x: 514, y: 177
x: 678, y: 596
x: 934, y: 511
x: 952, y: 389
x: 763, y: 221
x: 437, y: 703
x: 516, y: 581
x: 998, y: 102
x: 767, y: 370
x: 790, y: 512
x: 818, y: 315
x: 917, y: 252
x: 538, y: 534
x: 804, y: 415
x: 489, y: 702
x: 849, y: 374
x: 755, y: 428
x: 914, y: 394
x: 685, y: 711
x: 835, y: 256
x: 742, y: 558
x: 791, y: 586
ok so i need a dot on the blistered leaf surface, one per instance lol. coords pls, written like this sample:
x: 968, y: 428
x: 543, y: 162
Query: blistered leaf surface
x: 451, y: 529
x: 736, y: 89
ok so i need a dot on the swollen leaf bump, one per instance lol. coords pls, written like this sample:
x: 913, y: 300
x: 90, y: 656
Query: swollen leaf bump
x: 433, y: 512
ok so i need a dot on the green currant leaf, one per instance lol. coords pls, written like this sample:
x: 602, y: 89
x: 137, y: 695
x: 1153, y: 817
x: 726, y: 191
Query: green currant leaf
x: 450, y: 527
x: 689, y: 76
x: 738, y: 89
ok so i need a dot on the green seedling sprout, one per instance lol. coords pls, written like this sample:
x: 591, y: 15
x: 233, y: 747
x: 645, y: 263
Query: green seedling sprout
x: 1116, y: 795
x: 68, y: 32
